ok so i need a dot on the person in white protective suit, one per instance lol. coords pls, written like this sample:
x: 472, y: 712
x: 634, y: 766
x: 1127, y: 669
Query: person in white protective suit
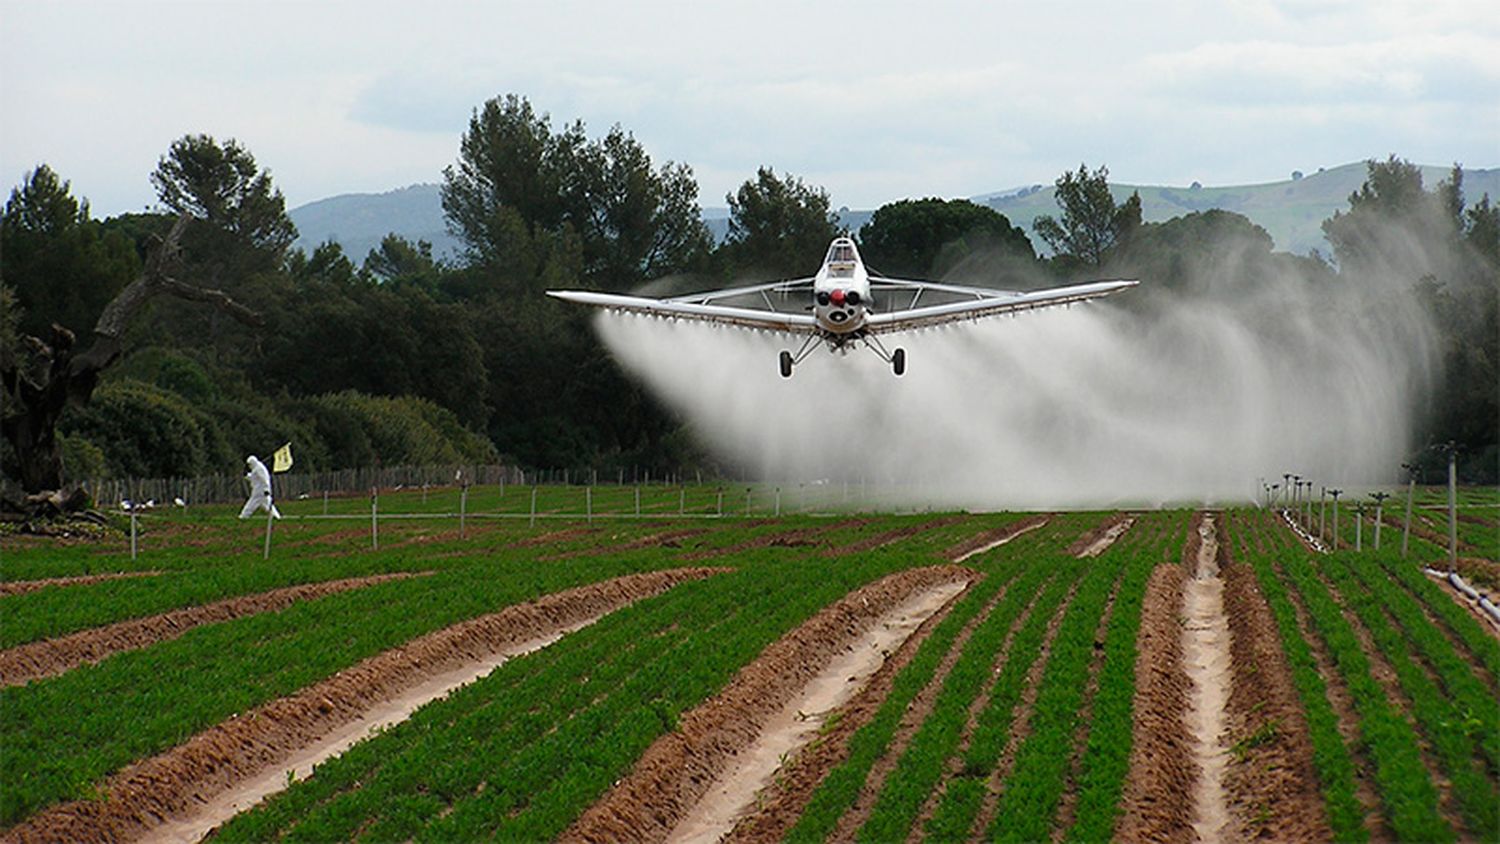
x: 260, y: 489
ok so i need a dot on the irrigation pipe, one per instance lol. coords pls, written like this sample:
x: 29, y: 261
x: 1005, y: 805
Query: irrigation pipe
x: 1468, y: 591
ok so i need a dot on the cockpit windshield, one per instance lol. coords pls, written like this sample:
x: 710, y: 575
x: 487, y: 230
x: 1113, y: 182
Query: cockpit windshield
x: 841, y: 252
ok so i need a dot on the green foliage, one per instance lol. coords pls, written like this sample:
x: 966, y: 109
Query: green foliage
x: 401, y: 431
x: 517, y: 180
x: 223, y: 186
x: 82, y: 460
x: 928, y: 238
x: 61, y: 265
x: 1092, y: 224
x: 778, y: 227
x: 149, y: 432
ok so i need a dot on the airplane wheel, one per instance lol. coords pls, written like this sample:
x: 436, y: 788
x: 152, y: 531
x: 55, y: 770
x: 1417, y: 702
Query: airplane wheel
x: 786, y: 364
x: 898, y: 362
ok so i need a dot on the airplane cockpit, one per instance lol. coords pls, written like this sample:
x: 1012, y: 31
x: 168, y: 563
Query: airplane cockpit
x: 841, y: 259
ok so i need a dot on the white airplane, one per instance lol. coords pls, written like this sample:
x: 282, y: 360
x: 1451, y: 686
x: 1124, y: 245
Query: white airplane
x: 844, y: 305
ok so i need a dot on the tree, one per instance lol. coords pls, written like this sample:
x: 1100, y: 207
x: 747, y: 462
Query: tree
x: 516, y: 180
x: 777, y: 226
x: 928, y: 237
x: 1395, y: 227
x: 61, y: 264
x: 222, y: 186
x: 39, y: 383
x: 1092, y: 224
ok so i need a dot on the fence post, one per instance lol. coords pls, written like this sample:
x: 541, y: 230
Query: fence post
x: 588, y: 503
x: 374, y: 518
x: 533, y: 505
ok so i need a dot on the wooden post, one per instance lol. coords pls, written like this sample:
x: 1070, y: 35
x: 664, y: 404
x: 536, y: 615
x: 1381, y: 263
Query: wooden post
x: 637, y: 501
x: 374, y: 518
x: 325, y: 502
x: 270, y: 509
x: 463, y: 510
x: 533, y: 505
x: 682, y: 501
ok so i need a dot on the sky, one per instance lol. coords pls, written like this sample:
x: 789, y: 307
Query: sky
x: 871, y: 101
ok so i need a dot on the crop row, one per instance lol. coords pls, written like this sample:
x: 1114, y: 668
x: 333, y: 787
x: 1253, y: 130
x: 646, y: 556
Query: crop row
x: 522, y: 752
x: 61, y: 735
x: 1456, y: 723
x: 1402, y: 779
x: 922, y: 763
x: 1331, y: 757
x: 1030, y: 795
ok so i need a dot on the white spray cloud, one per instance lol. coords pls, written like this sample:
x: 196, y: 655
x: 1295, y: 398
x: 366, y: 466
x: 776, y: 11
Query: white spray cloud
x: 1092, y: 405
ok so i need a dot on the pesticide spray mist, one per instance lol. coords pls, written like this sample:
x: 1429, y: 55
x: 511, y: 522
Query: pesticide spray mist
x: 1187, y: 396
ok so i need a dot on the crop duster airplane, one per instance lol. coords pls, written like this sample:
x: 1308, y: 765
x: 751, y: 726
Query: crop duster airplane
x: 847, y: 305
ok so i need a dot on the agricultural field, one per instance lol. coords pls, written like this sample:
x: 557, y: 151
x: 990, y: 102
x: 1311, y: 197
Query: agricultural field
x: 559, y: 667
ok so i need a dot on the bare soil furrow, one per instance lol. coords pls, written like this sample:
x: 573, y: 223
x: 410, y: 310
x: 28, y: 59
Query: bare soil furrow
x: 1272, y: 784
x: 1206, y: 656
x: 1157, y: 798
x: 50, y: 657
x: 798, y: 538
x: 1097, y: 541
x: 992, y: 539
x: 679, y: 769
x: 890, y: 537
x: 18, y: 587
x: 911, y: 721
x: 172, y: 784
x: 782, y: 803
x: 666, y: 539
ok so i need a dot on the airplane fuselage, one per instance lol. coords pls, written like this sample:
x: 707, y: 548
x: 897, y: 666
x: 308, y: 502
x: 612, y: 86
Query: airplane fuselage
x: 841, y: 290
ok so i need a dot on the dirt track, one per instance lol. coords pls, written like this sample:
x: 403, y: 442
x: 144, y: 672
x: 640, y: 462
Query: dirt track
x: 50, y: 657
x: 144, y: 795
x: 680, y: 768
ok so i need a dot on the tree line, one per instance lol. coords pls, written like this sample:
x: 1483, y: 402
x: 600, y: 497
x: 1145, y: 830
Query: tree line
x: 396, y: 357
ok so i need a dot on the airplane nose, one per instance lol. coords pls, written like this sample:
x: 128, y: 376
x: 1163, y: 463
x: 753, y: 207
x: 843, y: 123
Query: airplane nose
x: 837, y: 297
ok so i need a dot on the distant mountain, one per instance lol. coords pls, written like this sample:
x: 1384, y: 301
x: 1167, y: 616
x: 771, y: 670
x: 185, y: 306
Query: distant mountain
x: 1292, y: 211
x: 359, y: 221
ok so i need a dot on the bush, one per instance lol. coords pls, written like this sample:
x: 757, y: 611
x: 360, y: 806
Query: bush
x: 145, y: 431
x: 360, y: 430
x: 82, y: 459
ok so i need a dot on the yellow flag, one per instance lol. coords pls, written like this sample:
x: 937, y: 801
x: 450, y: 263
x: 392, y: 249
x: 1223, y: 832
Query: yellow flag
x: 282, y: 460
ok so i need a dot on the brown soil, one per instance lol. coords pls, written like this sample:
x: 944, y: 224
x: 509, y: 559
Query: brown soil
x: 890, y: 537
x: 679, y: 768
x: 51, y: 657
x: 1273, y: 788
x: 1206, y: 658
x: 1097, y: 541
x: 982, y: 542
x: 1157, y: 798
x: 783, y: 803
x: 147, y: 793
x: 668, y: 539
x: 18, y: 587
x: 911, y: 721
x: 801, y: 537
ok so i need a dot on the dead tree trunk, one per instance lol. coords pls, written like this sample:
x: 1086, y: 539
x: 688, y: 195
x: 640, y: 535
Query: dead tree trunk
x: 37, y: 384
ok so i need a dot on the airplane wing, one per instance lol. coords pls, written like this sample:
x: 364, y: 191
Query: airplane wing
x: 973, y: 302
x: 709, y: 307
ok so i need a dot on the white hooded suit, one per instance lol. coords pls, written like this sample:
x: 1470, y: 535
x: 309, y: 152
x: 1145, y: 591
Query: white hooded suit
x: 260, y: 489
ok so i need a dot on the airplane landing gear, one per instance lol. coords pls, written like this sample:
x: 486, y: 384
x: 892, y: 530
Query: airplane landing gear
x: 786, y: 364
x: 898, y: 362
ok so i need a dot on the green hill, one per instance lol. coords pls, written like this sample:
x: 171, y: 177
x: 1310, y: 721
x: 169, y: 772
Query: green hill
x: 1292, y: 211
